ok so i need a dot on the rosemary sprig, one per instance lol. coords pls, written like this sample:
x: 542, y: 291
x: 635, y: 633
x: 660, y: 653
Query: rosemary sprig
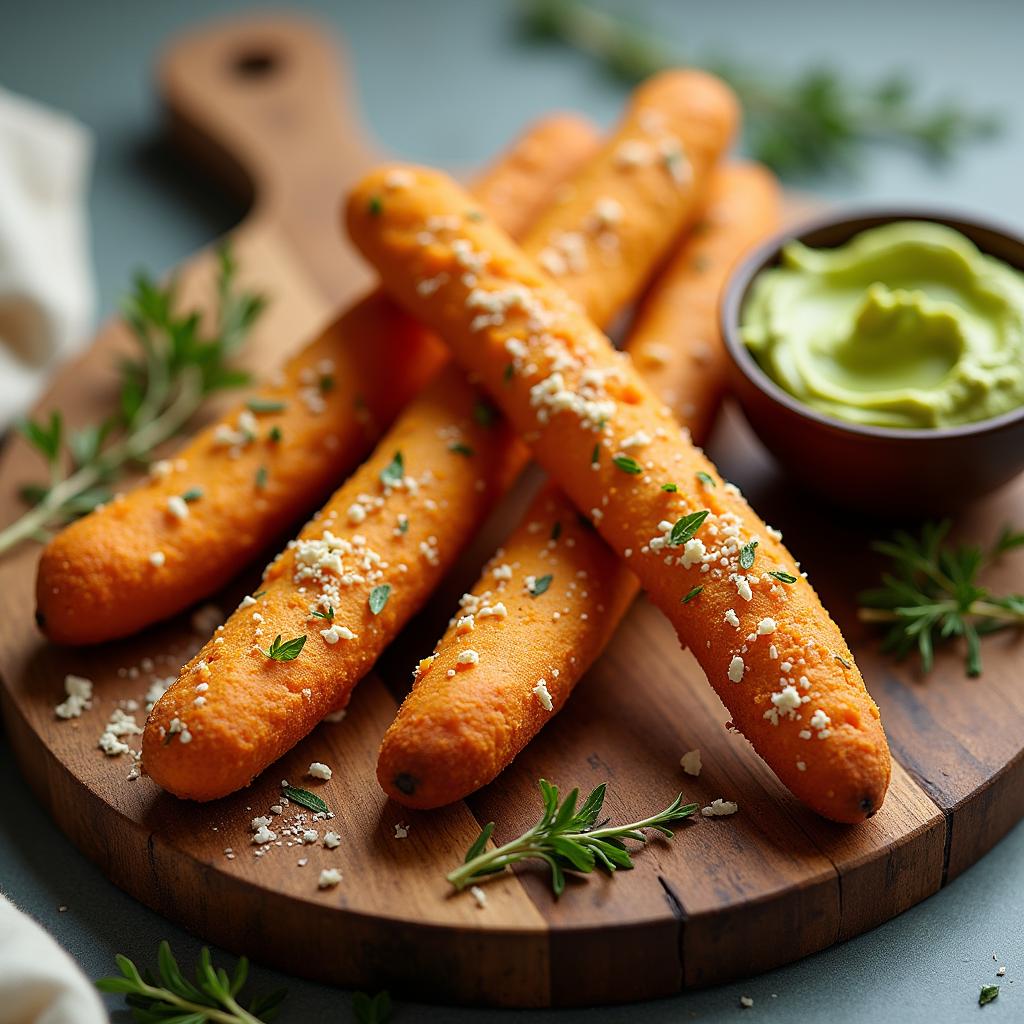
x: 177, y: 367
x: 803, y: 124
x: 566, y: 839
x: 933, y: 594
x: 171, y: 997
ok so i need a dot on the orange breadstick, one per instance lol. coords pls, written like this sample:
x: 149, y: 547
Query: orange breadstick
x: 769, y: 648
x: 485, y: 458
x: 446, y: 740
x: 149, y: 554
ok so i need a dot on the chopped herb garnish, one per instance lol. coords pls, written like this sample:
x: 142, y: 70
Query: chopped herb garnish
x: 540, y: 584
x: 259, y: 593
x: 192, y: 494
x: 287, y: 651
x: 261, y: 478
x: 782, y: 577
x: 403, y: 524
x: 474, y: 215
x: 556, y: 531
x: 706, y: 479
x: 305, y: 799
x: 510, y: 372
x: 326, y: 383
x: 595, y: 455
x: 379, y: 597
x: 394, y: 471
x: 628, y: 465
x: 484, y: 414
x: 375, y: 206
x: 686, y: 527
x: 275, y: 434
x: 842, y: 661
x: 671, y: 488
x: 567, y: 839
x: 692, y: 594
x: 329, y: 614
x: 988, y: 993
x: 747, y: 554
x: 584, y: 521
x: 265, y: 405
x: 461, y: 448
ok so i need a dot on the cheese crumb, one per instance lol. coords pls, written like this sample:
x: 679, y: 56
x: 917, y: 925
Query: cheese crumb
x: 329, y: 878
x: 177, y: 506
x: 335, y: 633
x: 318, y: 770
x: 766, y: 626
x: 732, y: 618
x: 78, y: 699
x: 690, y: 762
x: 736, y: 668
x: 157, y: 558
x: 719, y: 808
x: 332, y: 840
x: 263, y: 836
x: 540, y: 691
x: 468, y: 657
x: 746, y: 1002
x: 402, y: 830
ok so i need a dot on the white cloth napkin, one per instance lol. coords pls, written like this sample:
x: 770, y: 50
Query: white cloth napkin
x: 46, y: 287
x: 39, y: 982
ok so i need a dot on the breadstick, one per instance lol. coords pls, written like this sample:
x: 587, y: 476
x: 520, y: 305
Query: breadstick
x: 332, y: 670
x: 238, y: 484
x: 771, y: 651
x: 449, y: 740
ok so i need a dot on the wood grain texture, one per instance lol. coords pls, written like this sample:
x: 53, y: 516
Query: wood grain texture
x: 725, y: 898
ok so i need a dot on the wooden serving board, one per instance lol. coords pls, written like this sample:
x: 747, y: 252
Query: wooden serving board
x: 726, y: 898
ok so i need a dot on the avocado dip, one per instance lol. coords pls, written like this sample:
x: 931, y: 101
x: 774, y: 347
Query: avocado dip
x: 907, y: 326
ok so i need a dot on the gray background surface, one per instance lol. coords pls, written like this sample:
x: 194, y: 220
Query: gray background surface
x: 475, y: 85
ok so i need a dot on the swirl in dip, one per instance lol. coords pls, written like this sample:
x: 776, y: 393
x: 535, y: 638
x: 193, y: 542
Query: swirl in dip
x: 906, y: 326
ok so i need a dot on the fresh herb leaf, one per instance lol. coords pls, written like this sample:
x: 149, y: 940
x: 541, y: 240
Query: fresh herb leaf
x: 379, y: 597
x: 403, y: 524
x: 171, y: 997
x: 163, y: 384
x: 394, y: 471
x: 932, y: 593
x: 265, y: 405
x: 275, y: 434
x: 686, y: 527
x: 261, y: 478
x: 628, y: 465
x: 692, y: 594
x: 556, y: 531
x: 192, y: 494
x: 289, y: 650
x: 810, y: 122
x: 595, y: 455
x: 782, y: 577
x: 510, y: 372
x: 460, y: 448
x: 567, y: 838
x: 540, y: 585
x: 671, y: 488
x: 326, y: 383
x: 306, y: 799
x: 369, y: 1009
x: 375, y: 206
x: 259, y: 593
x: 706, y: 478
x: 747, y: 554
x: 484, y: 414
x: 329, y: 614
x: 987, y: 994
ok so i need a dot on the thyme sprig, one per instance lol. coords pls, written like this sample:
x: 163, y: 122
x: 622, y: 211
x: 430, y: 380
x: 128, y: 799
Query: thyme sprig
x: 933, y: 594
x: 808, y: 123
x: 178, y: 365
x: 172, y: 997
x: 566, y: 839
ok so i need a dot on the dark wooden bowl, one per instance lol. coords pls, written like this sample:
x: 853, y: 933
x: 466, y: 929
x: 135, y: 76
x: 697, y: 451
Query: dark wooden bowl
x: 886, y: 472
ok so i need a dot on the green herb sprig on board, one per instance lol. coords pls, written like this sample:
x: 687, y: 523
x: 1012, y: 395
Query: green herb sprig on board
x: 933, y: 594
x: 170, y: 996
x: 567, y: 839
x: 801, y: 124
x: 177, y: 366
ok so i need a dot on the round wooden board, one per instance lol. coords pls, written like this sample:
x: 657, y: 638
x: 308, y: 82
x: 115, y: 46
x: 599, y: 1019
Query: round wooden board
x: 725, y: 898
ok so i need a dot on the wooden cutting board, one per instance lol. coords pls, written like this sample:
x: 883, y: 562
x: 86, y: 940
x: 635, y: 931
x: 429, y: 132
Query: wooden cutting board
x: 264, y: 102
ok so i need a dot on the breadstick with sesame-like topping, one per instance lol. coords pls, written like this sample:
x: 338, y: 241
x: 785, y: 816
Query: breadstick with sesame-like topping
x: 238, y: 484
x: 782, y: 669
x: 552, y: 597
x: 253, y: 708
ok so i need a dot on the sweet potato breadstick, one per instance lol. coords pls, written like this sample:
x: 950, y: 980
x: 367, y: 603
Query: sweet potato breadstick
x: 730, y: 588
x: 675, y: 341
x: 449, y: 740
x: 238, y: 484
x: 239, y: 725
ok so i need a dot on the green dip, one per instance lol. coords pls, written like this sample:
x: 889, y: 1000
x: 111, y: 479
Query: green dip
x: 907, y: 325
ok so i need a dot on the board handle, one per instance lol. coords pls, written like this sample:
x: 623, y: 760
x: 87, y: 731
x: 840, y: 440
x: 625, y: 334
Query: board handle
x: 265, y: 102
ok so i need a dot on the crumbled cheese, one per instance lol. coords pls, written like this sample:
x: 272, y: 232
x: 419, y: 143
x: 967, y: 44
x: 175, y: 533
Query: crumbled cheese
x: 822, y: 723
x: 318, y: 770
x: 79, y: 697
x: 742, y: 586
x: 766, y: 626
x: 467, y: 657
x: 732, y: 618
x: 540, y: 691
x: 310, y: 835
x: 157, y: 558
x: 177, y: 506
x: 465, y: 624
x: 637, y: 440
x: 335, y: 632
x: 502, y: 572
x: 785, y: 704
x: 746, y: 1002
x: 402, y: 830
x: 329, y: 877
x: 736, y: 668
x: 719, y: 808
x: 356, y: 513
x: 263, y: 836
x: 496, y: 610
x: 332, y: 840
x: 690, y: 762
x: 261, y: 822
